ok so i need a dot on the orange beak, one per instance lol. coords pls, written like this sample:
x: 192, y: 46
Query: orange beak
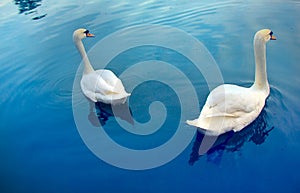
x: 273, y: 37
x: 90, y: 35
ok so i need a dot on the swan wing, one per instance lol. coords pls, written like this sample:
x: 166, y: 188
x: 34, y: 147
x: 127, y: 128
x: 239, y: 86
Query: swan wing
x: 104, y: 86
x: 230, y: 101
x: 93, y: 83
x: 228, y: 107
x: 102, y: 82
x: 86, y: 90
x: 108, y: 83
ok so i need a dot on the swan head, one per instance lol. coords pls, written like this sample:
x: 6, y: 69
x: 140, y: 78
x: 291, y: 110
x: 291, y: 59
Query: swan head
x: 81, y: 33
x: 264, y: 35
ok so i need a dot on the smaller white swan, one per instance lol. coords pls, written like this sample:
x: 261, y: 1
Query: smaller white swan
x: 230, y: 107
x: 100, y: 85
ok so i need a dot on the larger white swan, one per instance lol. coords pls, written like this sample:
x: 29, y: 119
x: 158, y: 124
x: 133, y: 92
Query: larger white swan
x: 230, y: 107
x: 100, y: 85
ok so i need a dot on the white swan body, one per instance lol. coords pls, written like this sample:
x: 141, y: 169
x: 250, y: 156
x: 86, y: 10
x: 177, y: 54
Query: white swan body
x: 100, y: 85
x: 231, y: 107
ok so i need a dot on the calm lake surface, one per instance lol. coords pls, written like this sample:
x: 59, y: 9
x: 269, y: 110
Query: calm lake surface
x: 42, y: 148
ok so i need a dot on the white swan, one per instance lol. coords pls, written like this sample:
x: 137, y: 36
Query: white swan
x: 230, y: 107
x: 100, y: 85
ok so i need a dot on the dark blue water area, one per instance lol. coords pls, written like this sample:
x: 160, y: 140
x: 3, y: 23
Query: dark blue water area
x: 41, y: 148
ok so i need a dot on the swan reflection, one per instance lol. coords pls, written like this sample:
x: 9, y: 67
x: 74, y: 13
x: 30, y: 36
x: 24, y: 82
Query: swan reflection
x: 105, y: 111
x: 256, y: 132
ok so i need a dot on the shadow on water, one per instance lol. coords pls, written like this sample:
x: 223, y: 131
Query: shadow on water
x: 105, y: 111
x: 29, y: 7
x: 256, y: 132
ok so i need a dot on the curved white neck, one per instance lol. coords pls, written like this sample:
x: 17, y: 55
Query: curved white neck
x: 261, y: 80
x: 87, y: 65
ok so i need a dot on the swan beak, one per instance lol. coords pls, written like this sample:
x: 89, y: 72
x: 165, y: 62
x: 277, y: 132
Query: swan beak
x: 90, y: 35
x: 273, y: 37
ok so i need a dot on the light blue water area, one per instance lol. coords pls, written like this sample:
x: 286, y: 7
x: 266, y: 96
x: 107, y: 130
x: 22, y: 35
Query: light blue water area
x: 41, y: 149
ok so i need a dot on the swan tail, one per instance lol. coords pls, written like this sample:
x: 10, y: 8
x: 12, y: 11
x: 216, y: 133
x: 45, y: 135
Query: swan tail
x: 209, y: 132
x: 193, y: 122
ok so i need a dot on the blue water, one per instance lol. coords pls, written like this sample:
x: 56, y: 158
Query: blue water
x: 41, y: 148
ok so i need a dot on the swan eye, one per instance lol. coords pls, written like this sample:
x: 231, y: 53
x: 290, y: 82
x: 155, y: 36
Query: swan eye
x: 271, y: 33
x: 86, y: 32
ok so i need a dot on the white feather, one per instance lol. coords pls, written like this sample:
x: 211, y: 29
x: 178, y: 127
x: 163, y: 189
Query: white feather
x: 100, y: 85
x: 230, y: 107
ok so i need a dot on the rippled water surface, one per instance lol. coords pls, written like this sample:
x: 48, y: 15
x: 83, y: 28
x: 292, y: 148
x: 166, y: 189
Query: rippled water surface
x: 41, y: 148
